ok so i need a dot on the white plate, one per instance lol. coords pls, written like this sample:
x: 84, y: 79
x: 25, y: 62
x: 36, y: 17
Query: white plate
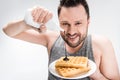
x: 90, y: 62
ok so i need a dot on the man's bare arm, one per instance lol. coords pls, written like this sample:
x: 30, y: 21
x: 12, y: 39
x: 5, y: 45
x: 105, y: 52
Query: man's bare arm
x: 107, y: 68
x: 21, y: 30
x: 14, y: 28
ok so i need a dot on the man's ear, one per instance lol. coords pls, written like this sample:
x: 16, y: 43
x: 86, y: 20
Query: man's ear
x: 88, y: 21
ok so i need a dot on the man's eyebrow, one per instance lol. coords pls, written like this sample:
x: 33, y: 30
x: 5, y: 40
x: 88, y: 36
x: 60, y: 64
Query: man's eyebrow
x: 79, y: 20
x: 74, y: 21
x: 63, y: 21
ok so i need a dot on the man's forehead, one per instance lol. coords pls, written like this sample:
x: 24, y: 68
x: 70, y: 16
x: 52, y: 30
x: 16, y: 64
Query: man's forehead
x: 78, y: 8
x: 77, y: 11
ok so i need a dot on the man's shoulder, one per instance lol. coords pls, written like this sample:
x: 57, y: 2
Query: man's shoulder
x: 52, y: 37
x: 101, y: 45
x: 100, y: 41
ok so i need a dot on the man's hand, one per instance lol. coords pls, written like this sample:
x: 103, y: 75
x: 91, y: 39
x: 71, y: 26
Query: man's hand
x: 41, y: 15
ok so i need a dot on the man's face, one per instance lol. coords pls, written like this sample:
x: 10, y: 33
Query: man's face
x: 74, y: 24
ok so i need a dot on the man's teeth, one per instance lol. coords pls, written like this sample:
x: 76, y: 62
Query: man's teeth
x: 72, y: 37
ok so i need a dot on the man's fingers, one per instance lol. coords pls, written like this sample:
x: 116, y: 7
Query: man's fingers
x: 36, y: 13
x: 47, y: 17
x: 42, y: 16
x: 39, y: 12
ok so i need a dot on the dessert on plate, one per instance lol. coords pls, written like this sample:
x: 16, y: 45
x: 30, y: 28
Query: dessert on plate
x: 76, y: 65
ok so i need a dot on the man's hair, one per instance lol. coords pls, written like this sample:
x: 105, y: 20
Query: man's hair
x: 73, y: 3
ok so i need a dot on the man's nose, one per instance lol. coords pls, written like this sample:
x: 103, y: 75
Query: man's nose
x: 72, y: 30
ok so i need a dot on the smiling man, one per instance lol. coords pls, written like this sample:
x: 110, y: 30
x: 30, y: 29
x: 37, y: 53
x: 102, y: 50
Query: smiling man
x: 73, y: 39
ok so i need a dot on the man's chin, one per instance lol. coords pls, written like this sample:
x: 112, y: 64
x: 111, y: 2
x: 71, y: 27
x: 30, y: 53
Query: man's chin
x: 73, y: 45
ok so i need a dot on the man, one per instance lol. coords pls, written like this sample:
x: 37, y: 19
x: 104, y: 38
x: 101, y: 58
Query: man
x: 74, y: 20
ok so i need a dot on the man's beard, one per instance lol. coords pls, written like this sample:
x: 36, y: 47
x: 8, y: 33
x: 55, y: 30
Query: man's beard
x: 73, y: 45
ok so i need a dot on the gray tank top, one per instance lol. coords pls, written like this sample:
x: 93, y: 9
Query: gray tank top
x: 58, y: 50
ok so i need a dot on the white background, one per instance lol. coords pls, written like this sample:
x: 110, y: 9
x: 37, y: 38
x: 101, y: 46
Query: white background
x: 21, y: 60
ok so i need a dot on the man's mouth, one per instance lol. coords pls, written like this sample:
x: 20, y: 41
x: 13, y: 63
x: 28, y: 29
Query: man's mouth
x: 72, y: 37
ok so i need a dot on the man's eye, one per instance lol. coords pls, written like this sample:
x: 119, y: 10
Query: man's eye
x: 78, y: 23
x: 65, y: 24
